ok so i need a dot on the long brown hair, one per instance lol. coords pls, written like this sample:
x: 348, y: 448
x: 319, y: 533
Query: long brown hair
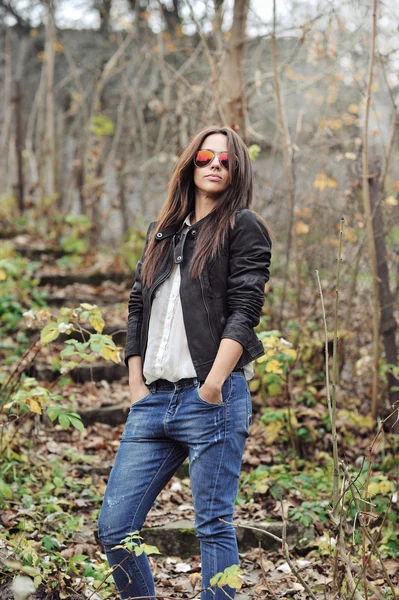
x: 180, y: 201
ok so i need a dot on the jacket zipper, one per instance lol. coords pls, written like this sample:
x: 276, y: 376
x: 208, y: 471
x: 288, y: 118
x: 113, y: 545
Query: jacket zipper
x: 207, y: 312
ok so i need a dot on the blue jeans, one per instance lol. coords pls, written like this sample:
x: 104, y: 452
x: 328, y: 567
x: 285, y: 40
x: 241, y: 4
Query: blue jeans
x: 162, y: 429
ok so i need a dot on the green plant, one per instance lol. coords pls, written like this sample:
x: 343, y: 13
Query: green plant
x: 271, y: 368
x: 73, y: 241
x: 18, y: 288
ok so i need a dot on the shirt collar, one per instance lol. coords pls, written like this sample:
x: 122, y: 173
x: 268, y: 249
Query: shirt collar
x: 187, y: 220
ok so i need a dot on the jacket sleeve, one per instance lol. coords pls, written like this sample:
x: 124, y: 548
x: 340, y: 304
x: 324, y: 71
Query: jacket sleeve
x: 249, y: 261
x: 135, y: 306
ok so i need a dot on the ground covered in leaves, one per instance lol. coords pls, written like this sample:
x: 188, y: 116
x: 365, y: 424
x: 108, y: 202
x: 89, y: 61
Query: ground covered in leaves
x: 53, y: 475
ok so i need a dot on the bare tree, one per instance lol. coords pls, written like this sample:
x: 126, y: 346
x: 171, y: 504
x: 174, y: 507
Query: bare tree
x: 22, y: 23
x: 367, y: 212
x: 104, y: 8
x: 232, y: 81
x: 171, y: 15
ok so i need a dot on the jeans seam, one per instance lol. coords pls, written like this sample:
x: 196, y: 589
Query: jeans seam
x: 213, y: 496
x: 138, y: 507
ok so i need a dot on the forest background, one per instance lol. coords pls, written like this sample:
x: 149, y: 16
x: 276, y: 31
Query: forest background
x: 98, y: 99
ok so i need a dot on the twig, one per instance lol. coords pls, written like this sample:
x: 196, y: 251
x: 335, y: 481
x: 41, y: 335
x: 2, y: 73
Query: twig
x: 368, y: 535
x: 287, y: 151
x: 288, y: 559
x: 211, y: 62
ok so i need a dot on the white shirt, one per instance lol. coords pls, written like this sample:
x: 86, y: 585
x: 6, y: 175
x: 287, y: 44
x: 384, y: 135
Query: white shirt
x: 167, y: 355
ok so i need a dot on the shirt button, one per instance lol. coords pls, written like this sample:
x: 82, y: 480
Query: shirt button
x: 193, y: 232
x: 179, y: 258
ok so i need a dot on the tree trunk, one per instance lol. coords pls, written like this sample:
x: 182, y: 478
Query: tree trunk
x: 388, y: 325
x: 49, y: 52
x: 171, y: 16
x: 369, y: 224
x: 231, y: 80
x: 289, y: 174
x: 105, y: 14
x: 19, y: 145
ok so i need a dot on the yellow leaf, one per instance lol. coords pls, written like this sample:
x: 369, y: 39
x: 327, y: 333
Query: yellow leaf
x: 58, y: 47
x: 97, y: 322
x: 270, y: 341
x: 261, y: 486
x: 271, y: 432
x: 49, y: 333
x: 34, y: 33
x: 354, y: 109
x: 3, y: 275
x: 302, y: 227
x: 391, y: 201
x: 110, y: 354
x: 87, y: 306
x: 35, y: 406
x: 290, y: 352
x: 254, y: 385
x: 274, y: 366
x: 262, y: 359
x: 385, y: 487
x: 350, y: 155
x: 373, y: 488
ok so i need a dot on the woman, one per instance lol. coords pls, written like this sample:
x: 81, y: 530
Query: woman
x: 198, y: 294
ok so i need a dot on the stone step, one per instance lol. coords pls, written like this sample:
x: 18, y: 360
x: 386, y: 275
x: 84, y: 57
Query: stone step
x: 40, y: 253
x: 96, y: 278
x: 93, y: 372
x: 178, y: 538
x: 75, y: 300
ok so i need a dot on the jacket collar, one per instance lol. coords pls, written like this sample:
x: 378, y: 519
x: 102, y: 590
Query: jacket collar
x: 178, y: 227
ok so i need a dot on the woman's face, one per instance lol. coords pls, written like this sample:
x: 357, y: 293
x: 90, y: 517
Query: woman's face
x: 212, y: 179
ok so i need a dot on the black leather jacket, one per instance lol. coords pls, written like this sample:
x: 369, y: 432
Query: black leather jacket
x: 225, y: 302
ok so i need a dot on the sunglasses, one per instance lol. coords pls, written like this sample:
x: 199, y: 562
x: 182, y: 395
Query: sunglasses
x: 203, y: 158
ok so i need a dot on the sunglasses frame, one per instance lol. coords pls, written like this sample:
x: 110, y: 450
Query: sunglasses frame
x: 213, y: 158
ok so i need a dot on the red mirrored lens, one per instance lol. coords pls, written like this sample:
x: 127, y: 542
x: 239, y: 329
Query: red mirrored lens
x: 203, y: 158
x: 224, y: 159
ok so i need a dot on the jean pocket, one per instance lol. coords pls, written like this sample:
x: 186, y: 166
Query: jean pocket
x: 226, y: 393
x: 211, y: 404
x: 141, y: 400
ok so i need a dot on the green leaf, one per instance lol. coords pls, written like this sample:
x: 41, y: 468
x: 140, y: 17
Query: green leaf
x: 230, y: 576
x: 5, y: 490
x: 76, y: 422
x: 102, y: 125
x: 254, y: 151
x: 63, y: 420
x: 149, y: 549
x: 53, y: 412
x: 49, y: 333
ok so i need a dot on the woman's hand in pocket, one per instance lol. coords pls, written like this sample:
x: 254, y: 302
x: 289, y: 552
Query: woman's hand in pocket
x: 138, y: 390
x: 211, y: 393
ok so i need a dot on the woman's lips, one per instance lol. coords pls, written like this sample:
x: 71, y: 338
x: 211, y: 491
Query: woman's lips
x: 214, y: 177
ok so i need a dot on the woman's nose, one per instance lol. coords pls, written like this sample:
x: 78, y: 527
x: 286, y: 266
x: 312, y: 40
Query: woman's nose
x: 216, y: 162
